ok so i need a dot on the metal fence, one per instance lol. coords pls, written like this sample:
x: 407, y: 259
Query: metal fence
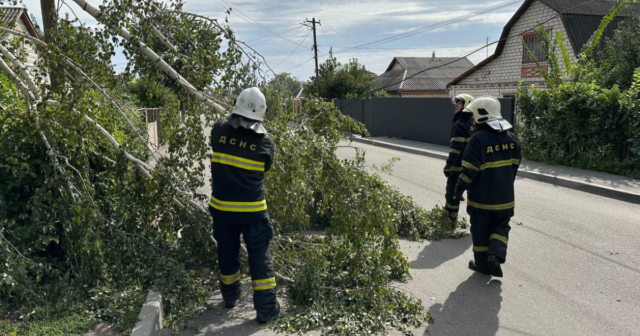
x: 420, y: 119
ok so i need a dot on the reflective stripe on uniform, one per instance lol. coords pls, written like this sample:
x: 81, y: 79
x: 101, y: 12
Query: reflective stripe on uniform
x: 506, y: 206
x: 263, y: 284
x: 493, y: 164
x: 459, y: 139
x: 454, y: 151
x: 469, y: 165
x: 456, y: 169
x: 465, y: 178
x: 238, y: 206
x: 237, y: 161
x: 452, y: 207
x: 480, y: 248
x: 230, y: 279
x: 499, y: 237
x: 498, y: 164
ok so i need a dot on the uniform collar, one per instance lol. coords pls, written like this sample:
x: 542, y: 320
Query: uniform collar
x: 464, y: 116
x: 237, y: 121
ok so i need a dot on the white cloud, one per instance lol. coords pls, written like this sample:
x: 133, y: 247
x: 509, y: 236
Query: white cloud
x: 362, y: 20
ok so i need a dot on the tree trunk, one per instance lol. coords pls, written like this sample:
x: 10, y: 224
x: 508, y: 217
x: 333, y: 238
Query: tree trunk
x: 48, y: 8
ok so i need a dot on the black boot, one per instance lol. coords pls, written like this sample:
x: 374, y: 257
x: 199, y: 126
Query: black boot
x: 230, y: 304
x: 474, y: 267
x: 493, y: 264
x: 265, y: 317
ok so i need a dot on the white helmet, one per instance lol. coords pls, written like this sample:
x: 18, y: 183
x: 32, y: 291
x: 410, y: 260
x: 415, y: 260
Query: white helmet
x: 487, y: 110
x: 251, y: 104
x: 465, y: 98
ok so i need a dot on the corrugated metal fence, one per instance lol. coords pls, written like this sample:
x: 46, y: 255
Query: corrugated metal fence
x: 420, y: 119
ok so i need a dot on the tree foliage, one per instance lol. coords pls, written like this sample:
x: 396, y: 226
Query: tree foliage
x: 82, y: 221
x: 619, y: 58
x: 591, y: 120
x: 337, y: 80
x: 285, y: 83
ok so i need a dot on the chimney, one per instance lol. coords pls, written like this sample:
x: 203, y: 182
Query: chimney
x: 433, y: 56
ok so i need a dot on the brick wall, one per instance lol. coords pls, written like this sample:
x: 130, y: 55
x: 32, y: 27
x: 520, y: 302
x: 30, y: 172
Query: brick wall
x: 501, y: 75
x: 32, y: 56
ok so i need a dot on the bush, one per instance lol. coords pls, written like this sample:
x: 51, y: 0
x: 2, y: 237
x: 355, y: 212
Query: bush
x: 582, y: 125
x: 590, y: 121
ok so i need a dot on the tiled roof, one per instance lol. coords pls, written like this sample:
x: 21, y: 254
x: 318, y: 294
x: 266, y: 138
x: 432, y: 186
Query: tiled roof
x: 10, y: 14
x: 413, y: 77
x: 589, y: 7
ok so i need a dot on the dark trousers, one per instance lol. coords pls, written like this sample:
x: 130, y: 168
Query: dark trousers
x: 490, y: 234
x: 452, y: 205
x: 257, y: 236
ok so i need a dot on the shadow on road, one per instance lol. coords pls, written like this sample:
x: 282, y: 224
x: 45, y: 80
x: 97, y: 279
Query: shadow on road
x: 239, y: 321
x: 439, y: 252
x: 472, y: 309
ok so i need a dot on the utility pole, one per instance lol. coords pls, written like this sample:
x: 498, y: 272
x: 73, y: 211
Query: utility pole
x: 315, y: 51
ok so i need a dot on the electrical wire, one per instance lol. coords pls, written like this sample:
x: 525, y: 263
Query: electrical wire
x: 294, y: 50
x: 250, y: 20
x: 472, y: 52
x: 431, y: 27
x: 274, y: 36
x: 357, y: 41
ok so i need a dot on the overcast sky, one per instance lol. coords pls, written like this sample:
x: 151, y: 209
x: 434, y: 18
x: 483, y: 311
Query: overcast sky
x: 346, y: 24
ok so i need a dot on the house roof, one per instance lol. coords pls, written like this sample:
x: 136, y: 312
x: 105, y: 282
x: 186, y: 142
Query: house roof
x: 412, y: 76
x: 589, y: 7
x: 11, y: 14
x: 580, y: 17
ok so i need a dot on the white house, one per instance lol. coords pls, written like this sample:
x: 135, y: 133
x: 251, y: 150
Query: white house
x: 17, y: 18
x: 499, y: 74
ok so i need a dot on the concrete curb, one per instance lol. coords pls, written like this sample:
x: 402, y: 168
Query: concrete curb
x: 591, y: 188
x: 150, y: 317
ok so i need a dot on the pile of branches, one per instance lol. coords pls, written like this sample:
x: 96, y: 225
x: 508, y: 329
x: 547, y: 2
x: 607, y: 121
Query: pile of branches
x: 87, y: 209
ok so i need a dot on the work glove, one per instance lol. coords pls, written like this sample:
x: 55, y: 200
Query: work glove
x: 446, y: 173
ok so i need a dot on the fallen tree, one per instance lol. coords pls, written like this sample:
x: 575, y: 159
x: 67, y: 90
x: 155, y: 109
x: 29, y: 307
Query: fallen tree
x: 84, y: 213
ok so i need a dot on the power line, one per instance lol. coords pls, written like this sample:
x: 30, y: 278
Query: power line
x: 432, y: 27
x: 517, y: 35
x: 250, y: 20
x: 282, y: 49
x: 274, y: 36
x: 325, y: 36
x: 307, y: 61
x: 294, y: 50
x: 405, y: 48
x: 358, y: 41
x: 273, y: 39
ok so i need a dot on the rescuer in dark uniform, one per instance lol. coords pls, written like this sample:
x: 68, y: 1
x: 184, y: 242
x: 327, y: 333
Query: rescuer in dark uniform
x: 460, y: 133
x: 489, y: 166
x: 242, y: 153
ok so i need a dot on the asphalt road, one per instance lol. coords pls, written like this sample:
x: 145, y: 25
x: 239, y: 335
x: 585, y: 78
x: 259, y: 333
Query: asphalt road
x: 573, y: 265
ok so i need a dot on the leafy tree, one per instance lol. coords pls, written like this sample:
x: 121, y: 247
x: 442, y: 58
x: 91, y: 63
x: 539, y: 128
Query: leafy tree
x: 285, y: 84
x: 87, y: 211
x: 336, y: 80
x: 619, y: 58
